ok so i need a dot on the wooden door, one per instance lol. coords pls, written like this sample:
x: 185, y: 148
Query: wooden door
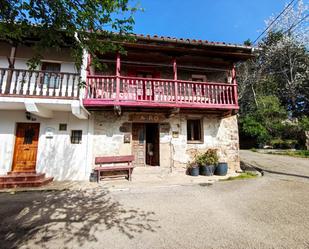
x: 26, y: 146
x: 139, y: 143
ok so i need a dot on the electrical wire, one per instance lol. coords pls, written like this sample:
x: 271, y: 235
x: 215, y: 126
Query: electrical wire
x: 268, y: 27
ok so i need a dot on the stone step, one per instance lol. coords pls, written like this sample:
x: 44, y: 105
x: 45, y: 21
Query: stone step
x: 23, y: 184
x: 20, y: 177
x: 21, y: 173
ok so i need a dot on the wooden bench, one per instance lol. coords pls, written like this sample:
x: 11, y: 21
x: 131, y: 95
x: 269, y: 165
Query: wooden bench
x: 114, y: 159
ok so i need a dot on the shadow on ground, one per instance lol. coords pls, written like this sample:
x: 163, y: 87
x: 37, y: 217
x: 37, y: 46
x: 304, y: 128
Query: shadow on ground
x: 77, y: 216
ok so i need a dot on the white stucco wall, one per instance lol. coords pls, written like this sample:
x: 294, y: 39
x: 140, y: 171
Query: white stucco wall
x: 56, y: 156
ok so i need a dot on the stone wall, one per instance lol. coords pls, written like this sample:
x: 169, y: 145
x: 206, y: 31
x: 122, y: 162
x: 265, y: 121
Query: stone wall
x: 220, y: 133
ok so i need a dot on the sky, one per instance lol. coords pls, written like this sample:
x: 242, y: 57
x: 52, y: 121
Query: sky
x: 214, y: 20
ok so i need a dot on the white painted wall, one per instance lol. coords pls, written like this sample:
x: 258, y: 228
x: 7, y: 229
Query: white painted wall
x: 56, y: 157
x: 23, y: 54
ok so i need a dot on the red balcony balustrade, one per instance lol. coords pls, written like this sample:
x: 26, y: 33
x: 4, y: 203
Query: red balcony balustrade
x: 134, y: 91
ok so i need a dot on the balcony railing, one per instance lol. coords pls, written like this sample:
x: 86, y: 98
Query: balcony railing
x: 132, y: 91
x: 34, y: 83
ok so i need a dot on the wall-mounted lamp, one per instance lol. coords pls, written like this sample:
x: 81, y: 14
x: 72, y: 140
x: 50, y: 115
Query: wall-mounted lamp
x: 29, y: 116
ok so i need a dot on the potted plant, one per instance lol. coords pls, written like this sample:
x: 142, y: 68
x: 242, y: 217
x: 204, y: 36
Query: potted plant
x: 193, y: 168
x: 221, y: 169
x: 208, y: 162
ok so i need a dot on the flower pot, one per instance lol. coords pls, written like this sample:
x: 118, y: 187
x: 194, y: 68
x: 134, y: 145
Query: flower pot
x: 207, y: 170
x: 194, y: 171
x: 221, y: 169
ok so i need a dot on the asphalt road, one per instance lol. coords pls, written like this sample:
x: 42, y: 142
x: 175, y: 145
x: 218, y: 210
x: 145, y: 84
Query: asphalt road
x: 267, y: 212
x: 278, y: 166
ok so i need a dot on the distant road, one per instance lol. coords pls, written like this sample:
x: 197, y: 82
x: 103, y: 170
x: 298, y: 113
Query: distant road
x: 278, y: 166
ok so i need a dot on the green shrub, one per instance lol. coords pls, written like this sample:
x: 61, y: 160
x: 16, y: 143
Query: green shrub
x: 278, y: 143
x: 210, y: 157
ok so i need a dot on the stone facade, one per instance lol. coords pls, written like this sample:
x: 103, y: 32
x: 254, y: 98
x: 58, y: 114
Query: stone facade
x: 111, y: 135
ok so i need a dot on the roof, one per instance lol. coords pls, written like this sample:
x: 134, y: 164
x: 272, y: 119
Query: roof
x: 184, y: 41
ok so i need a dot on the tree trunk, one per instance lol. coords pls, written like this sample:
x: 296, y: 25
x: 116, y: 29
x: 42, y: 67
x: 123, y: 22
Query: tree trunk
x: 11, y: 61
x: 307, y: 139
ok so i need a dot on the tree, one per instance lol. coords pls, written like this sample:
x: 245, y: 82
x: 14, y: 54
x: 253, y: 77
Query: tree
x: 80, y: 24
x: 277, y: 80
x: 286, y: 57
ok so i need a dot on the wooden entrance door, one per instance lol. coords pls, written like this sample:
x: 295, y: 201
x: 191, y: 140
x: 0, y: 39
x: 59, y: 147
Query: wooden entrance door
x: 139, y: 143
x: 26, y: 146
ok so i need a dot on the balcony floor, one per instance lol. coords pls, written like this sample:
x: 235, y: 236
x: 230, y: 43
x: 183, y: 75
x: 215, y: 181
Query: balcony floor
x: 101, y: 104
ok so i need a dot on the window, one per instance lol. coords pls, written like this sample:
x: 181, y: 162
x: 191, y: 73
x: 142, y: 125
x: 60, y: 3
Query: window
x: 29, y: 135
x: 51, y: 77
x: 76, y: 136
x: 62, y: 127
x: 194, y: 131
x: 199, y: 77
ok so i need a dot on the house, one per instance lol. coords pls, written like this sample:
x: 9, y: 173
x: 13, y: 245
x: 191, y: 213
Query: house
x: 163, y: 101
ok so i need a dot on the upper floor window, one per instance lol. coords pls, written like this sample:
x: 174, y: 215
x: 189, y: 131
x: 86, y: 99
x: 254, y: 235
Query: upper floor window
x: 199, y: 77
x: 144, y: 75
x: 52, y: 77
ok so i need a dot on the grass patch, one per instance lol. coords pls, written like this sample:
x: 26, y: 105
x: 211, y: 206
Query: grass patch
x: 245, y: 175
x: 254, y: 150
x: 296, y: 153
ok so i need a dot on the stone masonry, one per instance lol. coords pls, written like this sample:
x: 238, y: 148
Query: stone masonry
x: 218, y: 133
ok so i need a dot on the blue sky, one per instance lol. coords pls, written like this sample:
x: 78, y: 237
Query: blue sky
x: 214, y: 20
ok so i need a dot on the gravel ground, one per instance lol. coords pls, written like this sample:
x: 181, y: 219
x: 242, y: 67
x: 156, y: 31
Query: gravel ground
x: 267, y: 212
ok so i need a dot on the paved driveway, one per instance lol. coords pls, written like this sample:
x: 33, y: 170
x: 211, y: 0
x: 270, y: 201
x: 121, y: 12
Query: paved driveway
x: 267, y: 212
x: 283, y: 167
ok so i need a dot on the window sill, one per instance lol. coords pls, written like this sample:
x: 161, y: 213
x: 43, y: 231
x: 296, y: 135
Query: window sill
x: 195, y: 142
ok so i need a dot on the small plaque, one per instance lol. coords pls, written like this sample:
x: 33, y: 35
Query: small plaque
x: 175, y: 134
x: 127, y: 138
x: 145, y: 117
x: 49, y: 132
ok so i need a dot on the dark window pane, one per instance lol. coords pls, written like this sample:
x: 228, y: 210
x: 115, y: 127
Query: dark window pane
x: 76, y: 136
x: 62, y: 127
x: 194, y: 130
x: 28, y: 137
x: 51, y: 79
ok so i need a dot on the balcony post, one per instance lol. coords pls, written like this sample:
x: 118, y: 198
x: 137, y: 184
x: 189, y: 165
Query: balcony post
x: 11, y: 61
x: 117, y: 76
x: 84, y: 72
x: 175, y: 79
x: 234, y: 84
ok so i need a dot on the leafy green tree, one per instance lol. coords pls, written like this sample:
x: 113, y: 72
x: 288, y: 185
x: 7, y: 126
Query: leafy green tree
x: 79, y: 24
x: 274, y: 86
x: 266, y: 121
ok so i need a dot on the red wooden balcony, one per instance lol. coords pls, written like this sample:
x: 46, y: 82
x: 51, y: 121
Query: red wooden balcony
x: 153, y: 92
x: 35, y: 83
